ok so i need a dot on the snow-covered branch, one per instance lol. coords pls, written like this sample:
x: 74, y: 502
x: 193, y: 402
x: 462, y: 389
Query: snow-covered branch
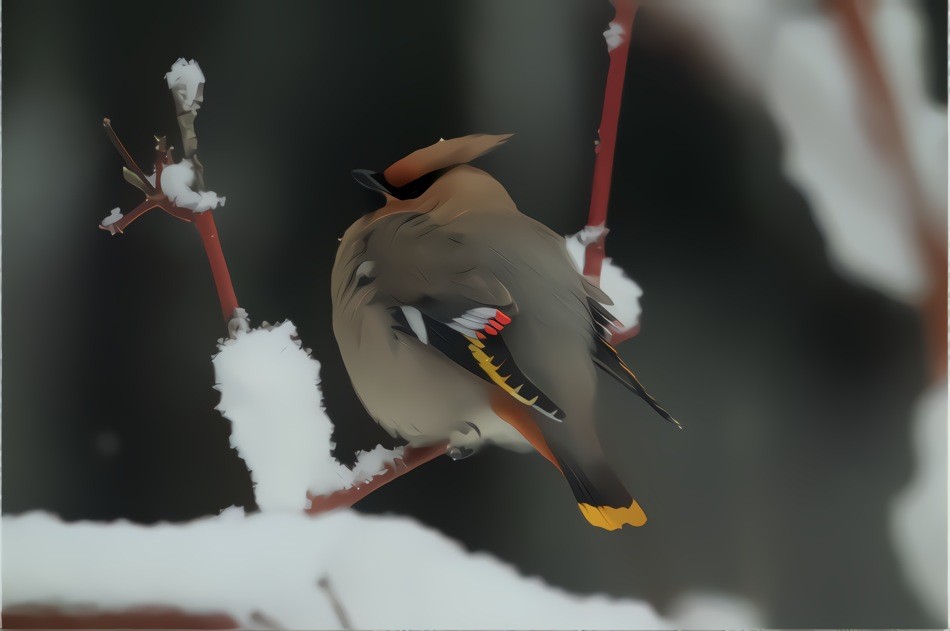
x: 270, y: 391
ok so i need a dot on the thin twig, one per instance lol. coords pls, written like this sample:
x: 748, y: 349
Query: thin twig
x: 262, y: 619
x: 129, y: 161
x: 324, y: 584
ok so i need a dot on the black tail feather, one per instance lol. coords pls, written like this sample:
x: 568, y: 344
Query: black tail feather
x: 606, y: 358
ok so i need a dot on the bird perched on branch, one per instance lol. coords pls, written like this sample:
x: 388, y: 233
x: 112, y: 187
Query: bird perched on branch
x: 462, y: 320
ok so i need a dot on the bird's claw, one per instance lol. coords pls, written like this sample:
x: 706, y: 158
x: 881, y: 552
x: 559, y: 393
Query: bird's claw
x: 460, y: 453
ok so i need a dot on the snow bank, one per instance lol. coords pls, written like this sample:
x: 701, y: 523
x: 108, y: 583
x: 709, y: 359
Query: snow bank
x: 386, y: 572
x: 613, y: 280
x: 270, y: 391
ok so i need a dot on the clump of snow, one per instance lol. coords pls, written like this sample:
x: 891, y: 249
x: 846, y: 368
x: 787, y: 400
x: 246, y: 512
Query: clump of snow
x: 270, y: 391
x: 614, y: 282
x: 187, y: 80
x: 177, y: 180
x: 114, y: 215
x: 614, y: 36
x: 919, y: 512
x: 267, y: 566
x: 371, y: 463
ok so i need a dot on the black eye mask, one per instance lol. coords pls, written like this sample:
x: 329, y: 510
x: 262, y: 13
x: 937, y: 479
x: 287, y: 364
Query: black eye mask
x: 376, y: 181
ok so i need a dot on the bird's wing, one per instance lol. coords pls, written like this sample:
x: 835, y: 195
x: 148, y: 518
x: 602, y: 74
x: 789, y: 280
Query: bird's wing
x: 472, y: 334
x: 458, y: 299
x: 450, y: 300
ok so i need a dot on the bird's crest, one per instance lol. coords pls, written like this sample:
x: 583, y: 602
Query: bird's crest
x: 411, y: 176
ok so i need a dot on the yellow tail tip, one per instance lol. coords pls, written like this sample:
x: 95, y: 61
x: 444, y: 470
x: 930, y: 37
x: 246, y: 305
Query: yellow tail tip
x: 610, y: 518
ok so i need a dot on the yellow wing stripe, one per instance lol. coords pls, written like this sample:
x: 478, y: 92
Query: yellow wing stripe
x: 485, y: 363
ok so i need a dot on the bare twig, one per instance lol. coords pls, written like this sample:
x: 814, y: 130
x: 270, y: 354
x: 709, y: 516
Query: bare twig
x: 129, y: 161
x: 264, y: 620
x: 327, y: 587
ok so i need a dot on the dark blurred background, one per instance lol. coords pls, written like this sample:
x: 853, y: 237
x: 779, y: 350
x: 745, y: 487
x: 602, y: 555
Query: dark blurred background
x: 796, y: 386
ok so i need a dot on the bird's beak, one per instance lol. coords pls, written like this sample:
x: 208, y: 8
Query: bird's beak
x: 372, y: 180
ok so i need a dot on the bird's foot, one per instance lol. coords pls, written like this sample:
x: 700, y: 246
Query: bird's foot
x: 460, y: 453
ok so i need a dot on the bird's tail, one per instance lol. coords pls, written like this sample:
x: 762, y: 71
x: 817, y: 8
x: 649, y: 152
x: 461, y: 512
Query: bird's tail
x: 601, y: 496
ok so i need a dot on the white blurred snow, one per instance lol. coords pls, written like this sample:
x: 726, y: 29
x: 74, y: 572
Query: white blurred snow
x: 270, y: 391
x: 857, y: 194
x: 795, y: 55
x: 919, y: 512
x: 614, y: 282
x: 177, y: 180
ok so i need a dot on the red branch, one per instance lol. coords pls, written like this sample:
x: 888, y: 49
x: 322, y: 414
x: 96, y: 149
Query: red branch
x: 204, y: 222
x: 607, y: 132
x: 412, y: 458
x: 886, y: 128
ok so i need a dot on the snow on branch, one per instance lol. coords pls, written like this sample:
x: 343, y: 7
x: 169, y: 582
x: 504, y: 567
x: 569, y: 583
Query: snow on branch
x: 177, y: 184
x: 270, y: 391
x: 187, y: 82
x: 614, y: 282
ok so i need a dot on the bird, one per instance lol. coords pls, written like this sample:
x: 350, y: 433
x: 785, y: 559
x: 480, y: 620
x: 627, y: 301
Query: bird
x: 462, y: 320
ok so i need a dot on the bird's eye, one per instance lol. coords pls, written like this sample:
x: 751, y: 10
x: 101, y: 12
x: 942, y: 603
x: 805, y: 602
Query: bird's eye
x: 364, y: 273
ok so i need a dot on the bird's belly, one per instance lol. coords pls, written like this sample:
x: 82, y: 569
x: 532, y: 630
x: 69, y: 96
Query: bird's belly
x: 415, y: 392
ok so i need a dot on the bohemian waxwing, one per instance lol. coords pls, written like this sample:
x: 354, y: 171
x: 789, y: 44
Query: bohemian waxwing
x: 461, y: 320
